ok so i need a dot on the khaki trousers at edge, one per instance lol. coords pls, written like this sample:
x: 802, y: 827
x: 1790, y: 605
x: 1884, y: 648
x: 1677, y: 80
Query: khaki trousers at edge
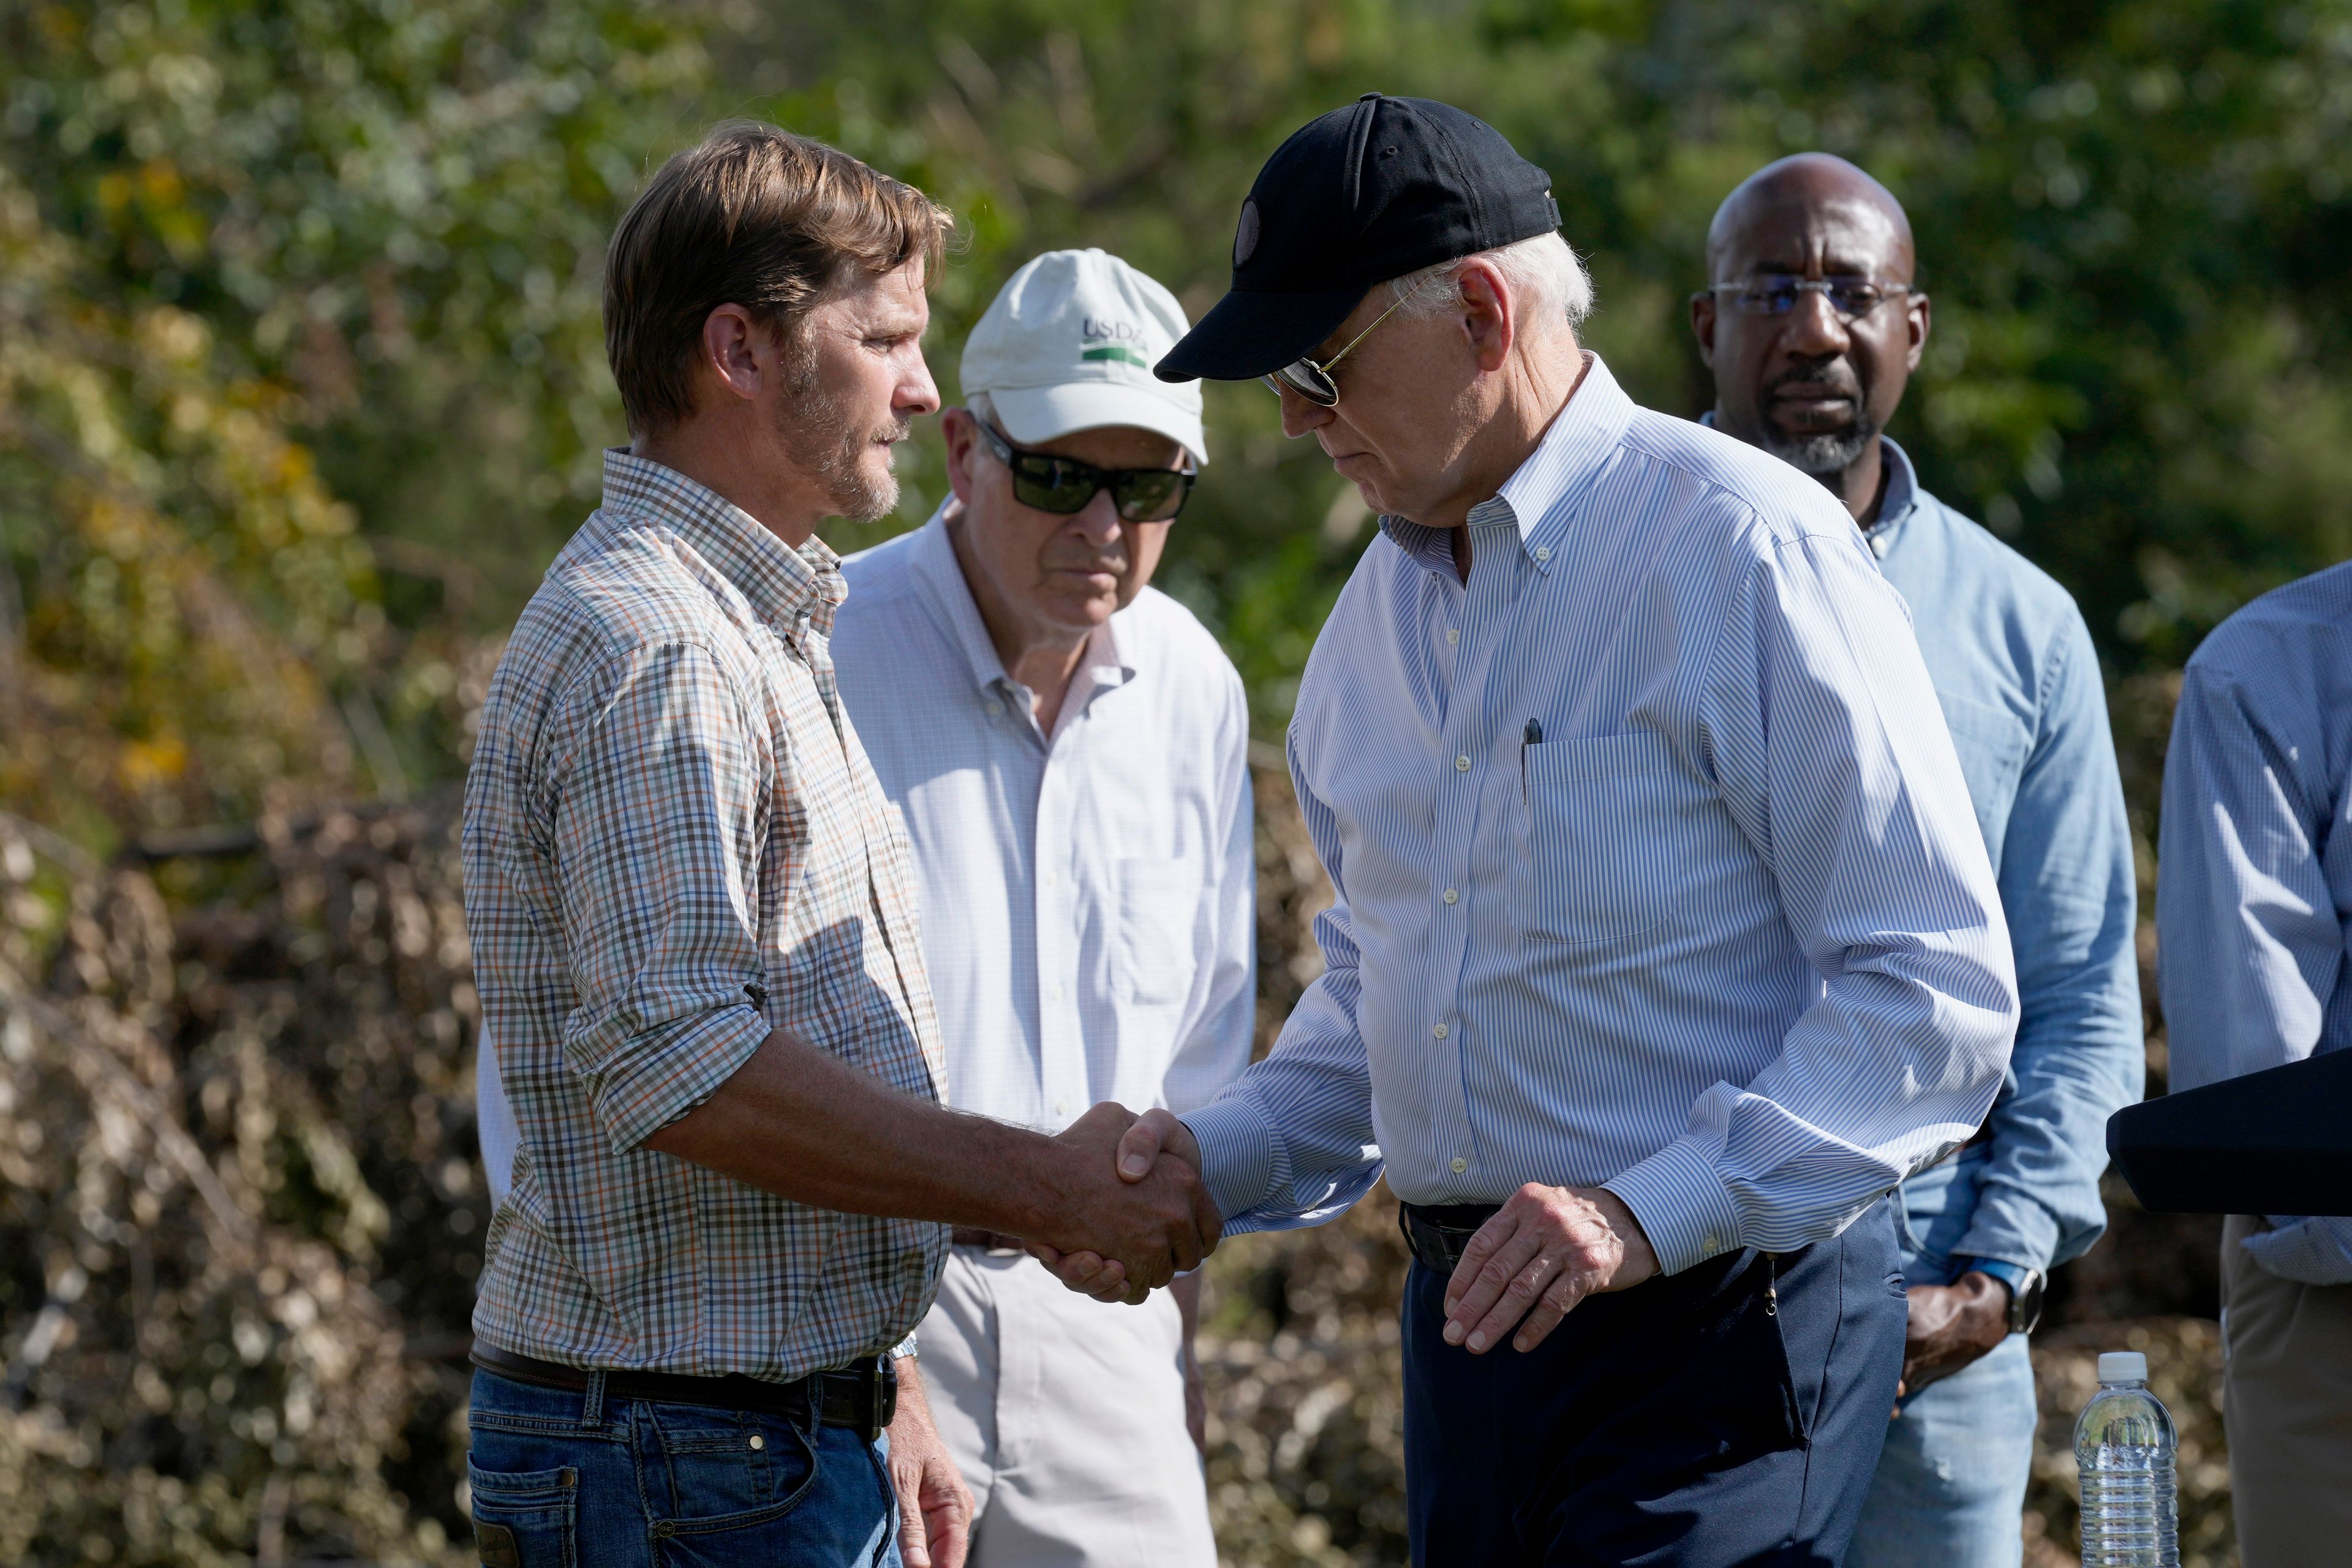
x: 1066, y: 1417
x: 2287, y: 1403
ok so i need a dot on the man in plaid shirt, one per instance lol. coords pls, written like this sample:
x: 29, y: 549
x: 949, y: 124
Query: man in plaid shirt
x: 694, y: 928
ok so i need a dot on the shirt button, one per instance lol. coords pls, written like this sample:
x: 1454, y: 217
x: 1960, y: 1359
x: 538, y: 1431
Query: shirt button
x: 1057, y: 994
x: 1460, y: 1164
x: 1453, y: 636
x: 1441, y: 1031
x: 1051, y: 879
x: 1543, y: 552
x: 1461, y: 764
x: 1061, y: 1108
x: 1710, y: 1244
x: 1452, y: 897
x: 996, y: 709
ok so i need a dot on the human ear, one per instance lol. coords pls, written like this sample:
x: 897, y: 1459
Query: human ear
x: 1702, y: 308
x: 1489, y: 313
x: 1917, y: 319
x: 961, y: 433
x: 731, y: 350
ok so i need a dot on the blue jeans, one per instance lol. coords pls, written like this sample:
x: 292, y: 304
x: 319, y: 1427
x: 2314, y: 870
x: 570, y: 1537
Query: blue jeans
x: 1950, y: 1487
x: 576, y: 1480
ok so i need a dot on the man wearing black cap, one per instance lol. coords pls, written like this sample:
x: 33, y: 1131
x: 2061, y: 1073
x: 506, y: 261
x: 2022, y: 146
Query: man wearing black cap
x: 1664, y: 944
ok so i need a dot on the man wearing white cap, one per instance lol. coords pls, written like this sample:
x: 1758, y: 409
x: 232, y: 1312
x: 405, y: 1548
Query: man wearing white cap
x: 1069, y: 749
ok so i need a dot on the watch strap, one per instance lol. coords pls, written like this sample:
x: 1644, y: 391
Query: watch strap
x: 2020, y: 1280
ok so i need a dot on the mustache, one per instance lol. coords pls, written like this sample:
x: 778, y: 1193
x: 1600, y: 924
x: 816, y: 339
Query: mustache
x: 1838, y: 376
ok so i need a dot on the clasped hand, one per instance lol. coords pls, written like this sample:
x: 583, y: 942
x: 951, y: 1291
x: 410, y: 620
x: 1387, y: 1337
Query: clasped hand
x: 1135, y: 1220
x: 1544, y: 1251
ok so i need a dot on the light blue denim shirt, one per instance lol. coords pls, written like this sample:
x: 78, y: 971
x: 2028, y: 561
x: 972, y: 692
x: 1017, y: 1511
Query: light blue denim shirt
x: 2014, y: 669
x: 2253, y: 907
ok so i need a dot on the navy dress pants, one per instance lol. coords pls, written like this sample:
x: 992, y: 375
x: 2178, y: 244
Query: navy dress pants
x: 1728, y: 1415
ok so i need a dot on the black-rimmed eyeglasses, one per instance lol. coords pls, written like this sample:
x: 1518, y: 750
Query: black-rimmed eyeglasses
x: 1777, y: 293
x: 1065, y: 485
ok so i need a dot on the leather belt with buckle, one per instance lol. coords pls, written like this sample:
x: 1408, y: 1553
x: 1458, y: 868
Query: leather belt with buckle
x: 1439, y: 1233
x: 862, y: 1396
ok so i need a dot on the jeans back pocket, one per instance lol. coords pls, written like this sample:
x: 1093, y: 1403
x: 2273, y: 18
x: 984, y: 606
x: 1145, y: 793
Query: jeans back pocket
x: 525, y: 1520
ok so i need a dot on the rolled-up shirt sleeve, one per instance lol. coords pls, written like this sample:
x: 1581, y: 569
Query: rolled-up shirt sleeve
x: 1829, y: 750
x: 656, y: 815
x: 1291, y: 1144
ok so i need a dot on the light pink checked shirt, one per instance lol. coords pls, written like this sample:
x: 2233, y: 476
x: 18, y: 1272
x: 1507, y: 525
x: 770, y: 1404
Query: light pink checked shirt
x: 673, y: 842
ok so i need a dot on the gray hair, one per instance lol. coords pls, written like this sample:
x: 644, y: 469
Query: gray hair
x: 980, y: 408
x: 1543, y: 274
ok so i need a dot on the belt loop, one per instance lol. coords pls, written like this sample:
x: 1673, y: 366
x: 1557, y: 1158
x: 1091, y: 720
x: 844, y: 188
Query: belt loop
x: 592, y: 1404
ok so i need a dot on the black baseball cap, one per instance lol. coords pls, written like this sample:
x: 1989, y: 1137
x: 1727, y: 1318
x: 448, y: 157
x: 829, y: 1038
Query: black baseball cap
x: 1368, y: 193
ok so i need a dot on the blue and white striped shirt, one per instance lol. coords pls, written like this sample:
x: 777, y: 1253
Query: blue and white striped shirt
x: 1655, y: 867
x: 2253, y: 896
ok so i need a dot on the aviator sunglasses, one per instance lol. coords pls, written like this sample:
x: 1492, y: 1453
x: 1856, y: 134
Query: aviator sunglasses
x: 1065, y: 485
x: 1312, y: 380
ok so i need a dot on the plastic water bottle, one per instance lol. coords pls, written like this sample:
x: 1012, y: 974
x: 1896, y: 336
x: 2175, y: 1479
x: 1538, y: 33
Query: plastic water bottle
x: 2126, y: 1448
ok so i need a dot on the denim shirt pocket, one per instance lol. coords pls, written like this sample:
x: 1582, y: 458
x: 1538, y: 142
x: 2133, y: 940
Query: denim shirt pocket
x: 1992, y: 743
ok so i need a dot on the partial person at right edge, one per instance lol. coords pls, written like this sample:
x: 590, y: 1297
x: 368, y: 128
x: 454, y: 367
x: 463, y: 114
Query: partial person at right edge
x: 2253, y: 921
x: 1812, y: 328
x: 1665, y: 943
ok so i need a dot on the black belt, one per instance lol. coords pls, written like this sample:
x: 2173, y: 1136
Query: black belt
x: 1439, y: 1233
x: 862, y: 1396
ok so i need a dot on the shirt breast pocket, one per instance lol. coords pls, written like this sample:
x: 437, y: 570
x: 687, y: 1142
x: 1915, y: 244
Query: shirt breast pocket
x: 1151, y: 950
x: 1601, y: 848
x: 1991, y: 743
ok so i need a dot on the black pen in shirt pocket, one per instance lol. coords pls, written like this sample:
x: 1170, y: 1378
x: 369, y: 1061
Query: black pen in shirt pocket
x: 1531, y: 736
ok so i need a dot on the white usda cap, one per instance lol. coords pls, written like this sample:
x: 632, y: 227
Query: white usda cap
x: 1069, y: 345
x: 2123, y: 1367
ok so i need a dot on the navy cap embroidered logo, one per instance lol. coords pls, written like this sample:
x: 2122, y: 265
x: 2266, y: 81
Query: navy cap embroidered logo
x: 1245, y: 236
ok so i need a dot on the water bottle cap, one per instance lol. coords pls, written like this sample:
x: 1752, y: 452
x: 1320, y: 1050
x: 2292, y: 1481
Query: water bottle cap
x: 2123, y: 1367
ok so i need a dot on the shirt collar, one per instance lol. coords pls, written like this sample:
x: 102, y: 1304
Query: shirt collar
x: 1540, y: 497
x: 933, y: 557
x: 1898, y: 499
x: 781, y: 583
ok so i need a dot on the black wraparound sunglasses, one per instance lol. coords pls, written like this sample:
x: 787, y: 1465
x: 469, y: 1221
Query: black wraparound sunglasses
x: 1065, y: 485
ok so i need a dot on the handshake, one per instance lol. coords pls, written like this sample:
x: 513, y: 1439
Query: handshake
x: 1130, y: 1211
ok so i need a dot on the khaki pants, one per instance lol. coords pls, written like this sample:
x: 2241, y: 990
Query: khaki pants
x: 2288, y: 1408
x: 1066, y: 1417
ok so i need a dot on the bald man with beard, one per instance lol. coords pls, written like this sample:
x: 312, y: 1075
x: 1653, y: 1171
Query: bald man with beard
x: 1812, y: 328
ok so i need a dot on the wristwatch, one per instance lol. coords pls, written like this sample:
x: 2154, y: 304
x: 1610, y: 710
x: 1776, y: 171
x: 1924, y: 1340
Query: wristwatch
x: 2025, y: 1287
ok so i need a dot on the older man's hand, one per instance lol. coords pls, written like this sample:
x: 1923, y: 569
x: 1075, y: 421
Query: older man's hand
x: 1134, y: 1222
x: 1542, y: 1253
x: 1151, y: 1147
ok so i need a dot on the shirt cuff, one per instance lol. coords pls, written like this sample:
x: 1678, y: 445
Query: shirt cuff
x: 1682, y: 1206
x: 664, y: 1084
x: 2307, y: 1251
x: 1238, y: 1156
x: 2020, y: 1231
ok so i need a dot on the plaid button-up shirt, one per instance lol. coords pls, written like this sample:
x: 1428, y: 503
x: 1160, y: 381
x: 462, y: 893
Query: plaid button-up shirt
x: 674, y: 842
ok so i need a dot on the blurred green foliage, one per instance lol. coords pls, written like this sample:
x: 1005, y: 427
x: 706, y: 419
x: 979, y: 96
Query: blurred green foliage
x: 307, y: 291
